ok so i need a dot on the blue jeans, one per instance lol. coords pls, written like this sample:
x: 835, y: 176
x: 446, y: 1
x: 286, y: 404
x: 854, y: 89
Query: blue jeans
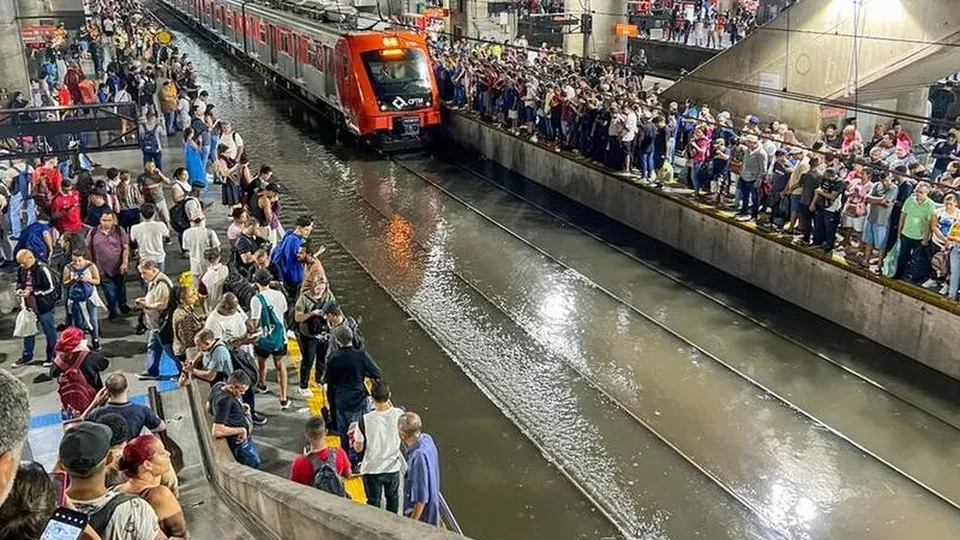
x: 168, y: 118
x: 646, y: 164
x: 954, y: 273
x: 345, y: 417
x: 115, y: 290
x: 48, y: 324
x: 16, y: 225
x: 696, y: 168
x: 155, y: 157
x: 155, y: 350
x: 246, y: 453
x: 76, y: 316
x: 749, y: 199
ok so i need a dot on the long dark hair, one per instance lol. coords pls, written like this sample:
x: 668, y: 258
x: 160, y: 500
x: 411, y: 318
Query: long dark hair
x: 31, y: 502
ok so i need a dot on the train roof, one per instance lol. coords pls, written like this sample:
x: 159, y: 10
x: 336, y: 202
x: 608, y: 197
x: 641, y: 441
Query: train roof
x: 325, y: 15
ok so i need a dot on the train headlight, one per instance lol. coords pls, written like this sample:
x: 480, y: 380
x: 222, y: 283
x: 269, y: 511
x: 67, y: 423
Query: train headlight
x: 429, y: 103
x: 383, y: 106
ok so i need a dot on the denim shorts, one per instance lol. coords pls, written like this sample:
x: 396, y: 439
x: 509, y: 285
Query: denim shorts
x: 796, y: 203
x: 875, y: 235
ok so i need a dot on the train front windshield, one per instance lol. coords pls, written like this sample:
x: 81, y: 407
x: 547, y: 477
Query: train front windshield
x: 400, y: 78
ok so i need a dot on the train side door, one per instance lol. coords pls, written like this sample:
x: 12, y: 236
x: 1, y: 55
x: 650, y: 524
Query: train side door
x: 329, y: 67
x: 303, y: 56
x: 274, y: 37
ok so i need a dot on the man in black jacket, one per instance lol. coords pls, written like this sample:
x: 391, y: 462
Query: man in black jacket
x: 37, y: 284
x: 345, y: 373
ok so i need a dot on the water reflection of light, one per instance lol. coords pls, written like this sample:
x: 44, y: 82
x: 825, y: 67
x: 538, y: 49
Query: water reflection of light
x: 555, y: 307
x: 400, y: 242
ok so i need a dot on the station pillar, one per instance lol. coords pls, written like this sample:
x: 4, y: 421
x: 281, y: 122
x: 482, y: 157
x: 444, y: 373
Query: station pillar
x: 13, y: 62
x: 602, y: 39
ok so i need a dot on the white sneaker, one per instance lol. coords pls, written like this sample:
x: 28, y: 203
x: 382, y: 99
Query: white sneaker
x: 305, y: 392
x: 945, y: 289
x: 930, y: 284
x: 284, y: 404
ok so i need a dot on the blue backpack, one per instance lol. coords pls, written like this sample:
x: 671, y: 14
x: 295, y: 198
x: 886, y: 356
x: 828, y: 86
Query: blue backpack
x: 149, y: 143
x: 274, y: 337
x: 80, y: 291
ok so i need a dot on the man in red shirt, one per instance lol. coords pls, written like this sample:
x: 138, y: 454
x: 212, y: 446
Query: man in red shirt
x: 302, y: 471
x: 65, y: 212
x: 46, y: 182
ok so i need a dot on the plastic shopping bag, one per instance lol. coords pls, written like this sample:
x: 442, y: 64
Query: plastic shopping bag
x: 26, y: 323
x: 890, y: 261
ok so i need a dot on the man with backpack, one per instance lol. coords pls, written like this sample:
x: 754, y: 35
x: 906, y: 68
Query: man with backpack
x: 83, y: 453
x: 158, y: 305
x: 21, y: 207
x: 80, y: 280
x: 218, y: 360
x: 150, y: 140
x: 323, y: 467
x: 230, y: 420
x: 266, y: 312
x: 47, y: 181
x: 37, y: 238
x: 40, y: 289
x: 151, y: 183
x: 77, y: 371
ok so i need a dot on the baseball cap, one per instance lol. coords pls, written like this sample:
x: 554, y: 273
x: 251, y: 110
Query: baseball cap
x: 754, y: 120
x: 84, y: 447
x: 830, y: 173
x: 329, y: 306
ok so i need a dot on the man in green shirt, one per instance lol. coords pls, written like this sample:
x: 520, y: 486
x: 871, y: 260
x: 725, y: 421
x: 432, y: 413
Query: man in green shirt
x: 915, y: 225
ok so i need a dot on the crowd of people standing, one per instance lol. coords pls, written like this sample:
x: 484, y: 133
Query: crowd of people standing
x: 870, y: 200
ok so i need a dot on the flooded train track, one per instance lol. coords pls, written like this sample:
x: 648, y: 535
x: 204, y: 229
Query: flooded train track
x: 817, y: 422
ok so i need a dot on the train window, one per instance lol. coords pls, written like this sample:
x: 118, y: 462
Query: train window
x: 318, y: 55
x: 284, y: 40
x: 263, y: 33
x: 400, y: 77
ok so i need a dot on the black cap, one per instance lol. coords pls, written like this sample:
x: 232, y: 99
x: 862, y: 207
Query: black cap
x: 262, y: 277
x: 84, y: 447
x: 830, y: 173
x: 273, y: 186
x: 329, y: 306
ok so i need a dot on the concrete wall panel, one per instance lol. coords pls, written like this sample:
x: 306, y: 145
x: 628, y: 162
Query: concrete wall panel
x: 888, y: 316
x: 938, y: 332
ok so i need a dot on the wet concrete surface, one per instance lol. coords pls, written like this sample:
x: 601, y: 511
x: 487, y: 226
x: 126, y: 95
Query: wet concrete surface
x: 667, y: 440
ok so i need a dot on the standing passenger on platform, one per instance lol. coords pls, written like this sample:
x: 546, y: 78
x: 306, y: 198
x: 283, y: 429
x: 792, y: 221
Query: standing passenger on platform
x: 380, y: 442
x: 65, y: 211
x: 37, y: 238
x: 287, y: 254
x: 150, y: 140
x: 154, y: 305
x: 266, y: 312
x: 36, y: 285
x: 197, y: 240
x: 22, y: 208
x: 80, y: 280
x: 312, y: 332
x: 109, y: 248
x: 305, y: 469
x: 345, y: 372
x: 422, y: 485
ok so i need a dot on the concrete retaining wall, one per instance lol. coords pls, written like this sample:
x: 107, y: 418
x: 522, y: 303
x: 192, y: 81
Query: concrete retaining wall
x: 905, y: 319
x: 291, y: 511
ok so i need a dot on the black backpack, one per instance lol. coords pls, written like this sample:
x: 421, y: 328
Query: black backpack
x: 166, y: 316
x: 325, y: 477
x: 242, y: 361
x: 101, y: 518
x: 179, y: 220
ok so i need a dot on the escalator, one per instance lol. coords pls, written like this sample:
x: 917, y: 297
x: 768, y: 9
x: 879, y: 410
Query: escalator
x: 823, y: 57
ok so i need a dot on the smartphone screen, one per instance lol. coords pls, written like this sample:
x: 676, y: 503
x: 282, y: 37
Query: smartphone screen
x: 65, y: 524
x: 59, y: 481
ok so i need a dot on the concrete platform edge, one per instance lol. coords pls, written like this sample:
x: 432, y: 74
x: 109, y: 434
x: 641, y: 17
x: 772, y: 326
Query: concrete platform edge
x: 883, y: 311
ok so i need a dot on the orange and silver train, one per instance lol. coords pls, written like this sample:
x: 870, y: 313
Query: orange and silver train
x: 375, y: 80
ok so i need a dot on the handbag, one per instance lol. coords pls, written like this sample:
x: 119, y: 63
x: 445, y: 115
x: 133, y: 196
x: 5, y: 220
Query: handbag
x: 26, y: 323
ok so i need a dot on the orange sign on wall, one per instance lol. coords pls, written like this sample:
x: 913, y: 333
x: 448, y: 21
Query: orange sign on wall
x: 436, y: 13
x: 629, y: 30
